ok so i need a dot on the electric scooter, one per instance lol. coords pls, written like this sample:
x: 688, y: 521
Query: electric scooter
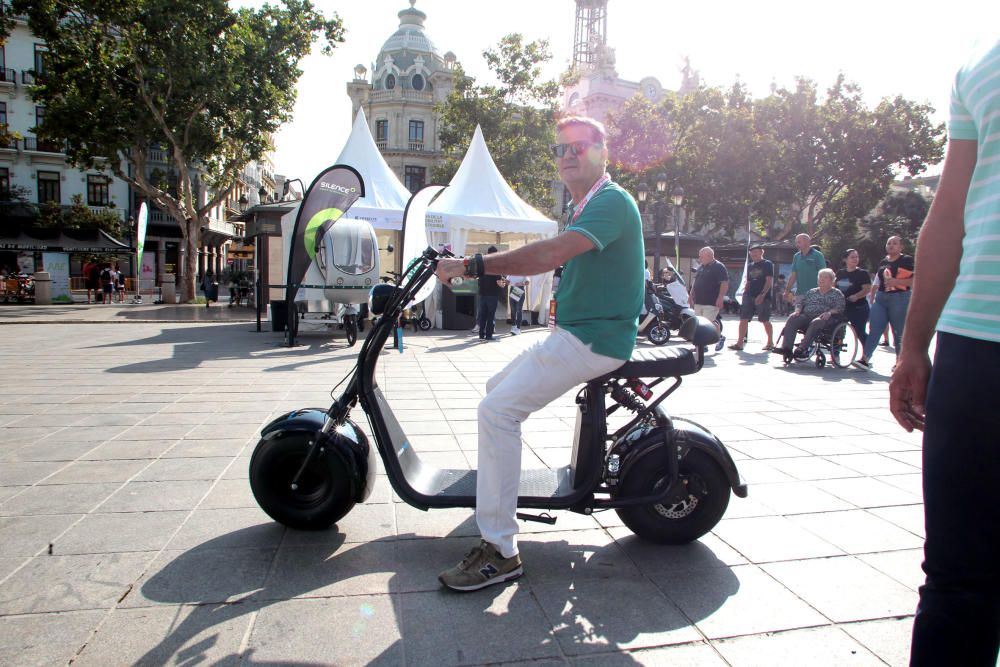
x: 668, y: 478
x: 653, y: 324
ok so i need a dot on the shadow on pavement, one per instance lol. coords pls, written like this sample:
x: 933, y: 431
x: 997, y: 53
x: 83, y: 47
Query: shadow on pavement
x: 193, y: 346
x: 208, y: 577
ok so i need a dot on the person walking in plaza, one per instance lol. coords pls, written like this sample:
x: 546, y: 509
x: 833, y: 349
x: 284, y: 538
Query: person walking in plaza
x: 119, y: 283
x: 895, y: 279
x: 806, y: 264
x: 107, y: 276
x: 956, y: 402
x: 757, y: 298
x: 516, y: 297
x: 489, y: 297
x: 92, y: 279
x: 855, y: 283
x: 597, y: 324
x: 208, y: 285
x: 708, y: 291
x: 814, y: 313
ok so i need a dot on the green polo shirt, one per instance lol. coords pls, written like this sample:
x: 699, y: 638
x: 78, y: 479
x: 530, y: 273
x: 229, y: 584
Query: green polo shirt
x: 807, y: 269
x: 600, y: 291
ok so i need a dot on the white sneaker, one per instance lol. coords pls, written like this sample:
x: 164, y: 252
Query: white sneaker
x: 475, y: 329
x: 515, y: 331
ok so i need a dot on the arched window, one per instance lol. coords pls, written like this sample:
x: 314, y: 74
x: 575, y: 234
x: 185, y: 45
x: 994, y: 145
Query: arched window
x: 390, y: 81
x: 417, y: 82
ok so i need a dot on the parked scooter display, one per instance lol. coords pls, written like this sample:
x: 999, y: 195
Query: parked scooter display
x: 668, y: 478
x: 653, y: 323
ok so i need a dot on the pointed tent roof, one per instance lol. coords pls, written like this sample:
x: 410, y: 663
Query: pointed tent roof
x: 385, y: 197
x: 479, y: 198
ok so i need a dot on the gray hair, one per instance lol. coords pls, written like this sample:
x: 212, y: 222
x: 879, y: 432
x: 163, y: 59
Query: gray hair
x: 827, y: 272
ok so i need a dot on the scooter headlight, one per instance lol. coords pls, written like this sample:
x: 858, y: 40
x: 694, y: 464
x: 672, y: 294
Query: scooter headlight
x: 379, y: 297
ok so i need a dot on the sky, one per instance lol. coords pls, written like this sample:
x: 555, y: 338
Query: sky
x: 911, y: 48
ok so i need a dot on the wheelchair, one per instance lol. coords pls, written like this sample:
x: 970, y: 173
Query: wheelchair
x: 838, y: 343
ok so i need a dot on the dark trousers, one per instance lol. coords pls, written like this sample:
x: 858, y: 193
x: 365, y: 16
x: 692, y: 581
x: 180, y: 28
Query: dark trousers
x: 813, y: 326
x: 958, y: 617
x: 857, y: 314
x: 487, y: 316
x: 517, y: 310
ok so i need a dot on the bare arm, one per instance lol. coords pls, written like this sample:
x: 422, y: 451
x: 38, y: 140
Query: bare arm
x: 939, y: 253
x: 791, y: 283
x: 768, y: 282
x: 721, y: 299
x: 537, y: 257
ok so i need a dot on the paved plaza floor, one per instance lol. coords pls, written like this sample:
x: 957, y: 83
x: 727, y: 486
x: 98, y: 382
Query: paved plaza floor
x: 128, y: 532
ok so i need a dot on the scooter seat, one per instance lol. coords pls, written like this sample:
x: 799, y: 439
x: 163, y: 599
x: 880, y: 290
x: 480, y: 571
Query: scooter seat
x: 659, y: 362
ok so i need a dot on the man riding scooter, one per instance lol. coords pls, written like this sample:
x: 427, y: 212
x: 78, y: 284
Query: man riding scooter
x: 595, y: 334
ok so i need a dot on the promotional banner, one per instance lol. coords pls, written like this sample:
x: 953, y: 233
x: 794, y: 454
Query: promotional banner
x: 746, y: 261
x: 329, y: 196
x: 57, y: 266
x: 415, y: 234
x: 140, y: 236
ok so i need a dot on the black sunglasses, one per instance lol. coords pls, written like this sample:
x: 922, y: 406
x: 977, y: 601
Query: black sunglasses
x: 576, y: 148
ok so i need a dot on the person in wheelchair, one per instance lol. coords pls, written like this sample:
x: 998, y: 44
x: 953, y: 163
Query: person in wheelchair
x: 819, y: 311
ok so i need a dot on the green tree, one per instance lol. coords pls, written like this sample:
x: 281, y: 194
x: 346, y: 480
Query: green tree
x: 207, y: 84
x: 517, y: 117
x: 792, y: 160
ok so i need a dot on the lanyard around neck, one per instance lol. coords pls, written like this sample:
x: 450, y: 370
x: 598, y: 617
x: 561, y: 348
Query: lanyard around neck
x: 578, y: 209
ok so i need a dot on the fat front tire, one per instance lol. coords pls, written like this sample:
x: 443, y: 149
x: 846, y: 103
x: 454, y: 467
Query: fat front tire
x: 658, y: 334
x: 683, y: 522
x: 324, y: 493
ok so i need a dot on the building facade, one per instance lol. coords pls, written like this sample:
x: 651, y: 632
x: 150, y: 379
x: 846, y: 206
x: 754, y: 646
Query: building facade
x: 33, y: 168
x: 398, y: 96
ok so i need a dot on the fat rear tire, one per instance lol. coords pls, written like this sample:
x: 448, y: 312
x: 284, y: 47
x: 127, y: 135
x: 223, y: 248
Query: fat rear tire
x: 684, y: 522
x: 324, y: 495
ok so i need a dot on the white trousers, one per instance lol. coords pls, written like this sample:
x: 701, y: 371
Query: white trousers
x: 535, y: 378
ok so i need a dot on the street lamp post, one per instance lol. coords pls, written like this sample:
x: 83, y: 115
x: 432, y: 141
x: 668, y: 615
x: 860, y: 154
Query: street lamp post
x: 659, y: 216
x: 677, y: 198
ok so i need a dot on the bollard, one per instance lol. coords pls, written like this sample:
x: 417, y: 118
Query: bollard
x: 43, y: 288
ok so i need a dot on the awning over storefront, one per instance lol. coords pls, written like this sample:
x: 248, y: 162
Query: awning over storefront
x: 97, y: 241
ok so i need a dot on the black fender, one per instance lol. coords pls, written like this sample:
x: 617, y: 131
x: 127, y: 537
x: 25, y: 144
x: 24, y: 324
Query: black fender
x: 688, y: 435
x: 347, y: 442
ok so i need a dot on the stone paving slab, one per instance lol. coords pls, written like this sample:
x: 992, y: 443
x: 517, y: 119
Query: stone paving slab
x: 126, y: 449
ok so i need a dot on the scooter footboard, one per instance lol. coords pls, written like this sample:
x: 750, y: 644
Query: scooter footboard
x: 688, y: 435
x: 347, y: 441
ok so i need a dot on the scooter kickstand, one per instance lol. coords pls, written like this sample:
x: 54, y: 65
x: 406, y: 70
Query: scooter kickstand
x: 544, y: 517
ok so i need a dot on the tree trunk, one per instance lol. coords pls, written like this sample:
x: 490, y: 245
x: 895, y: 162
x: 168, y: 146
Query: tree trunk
x: 189, y: 275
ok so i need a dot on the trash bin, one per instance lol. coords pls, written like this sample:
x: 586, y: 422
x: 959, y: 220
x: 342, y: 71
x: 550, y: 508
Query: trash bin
x: 279, y: 314
x: 458, y: 310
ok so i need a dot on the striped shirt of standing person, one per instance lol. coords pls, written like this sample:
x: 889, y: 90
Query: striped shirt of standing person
x: 973, y: 309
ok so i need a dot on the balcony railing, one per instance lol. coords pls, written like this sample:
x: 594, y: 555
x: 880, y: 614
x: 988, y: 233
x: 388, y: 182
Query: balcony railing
x: 382, y: 145
x: 157, y: 155
x: 7, y: 75
x: 400, y: 94
x: 416, y: 145
x: 28, y: 78
x: 43, y: 146
x: 8, y: 143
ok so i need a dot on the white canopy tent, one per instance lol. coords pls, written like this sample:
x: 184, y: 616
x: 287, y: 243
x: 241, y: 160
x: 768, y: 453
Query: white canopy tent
x: 385, y: 197
x: 479, y: 199
x: 382, y: 206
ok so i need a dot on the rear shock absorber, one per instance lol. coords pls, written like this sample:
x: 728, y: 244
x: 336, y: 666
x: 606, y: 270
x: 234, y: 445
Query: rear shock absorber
x: 627, y: 397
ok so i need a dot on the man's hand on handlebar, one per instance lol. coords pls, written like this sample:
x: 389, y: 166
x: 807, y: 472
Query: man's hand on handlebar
x: 448, y: 269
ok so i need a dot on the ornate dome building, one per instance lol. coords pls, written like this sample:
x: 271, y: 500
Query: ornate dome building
x: 407, y: 79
